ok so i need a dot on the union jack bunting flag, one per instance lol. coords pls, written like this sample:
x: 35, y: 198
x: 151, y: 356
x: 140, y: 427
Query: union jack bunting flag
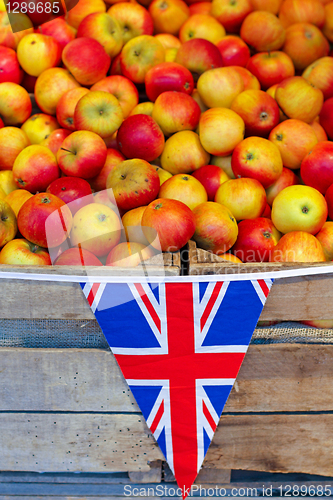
x: 179, y: 346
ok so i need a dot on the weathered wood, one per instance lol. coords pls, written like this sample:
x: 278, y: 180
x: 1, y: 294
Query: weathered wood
x: 22, y: 299
x: 290, y: 299
x: 153, y: 475
x: 60, y: 442
x: 273, y: 377
x: 275, y: 443
x: 213, y: 476
x: 93, y: 442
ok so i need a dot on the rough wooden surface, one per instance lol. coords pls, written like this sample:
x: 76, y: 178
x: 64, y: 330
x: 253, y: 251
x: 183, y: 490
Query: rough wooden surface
x: 56, y: 300
x: 290, y: 299
x: 114, y: 442
x: 273, y: 378
x: 276, y: 443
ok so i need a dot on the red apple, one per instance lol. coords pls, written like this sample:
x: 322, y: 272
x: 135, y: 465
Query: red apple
x: 82, y: 9
x: 304, y: 44
x: 183, y: 153
x: 8, y: 224
x: 66, y: 107
x: 103, y: 28
x: 82, y: 154
x: 96, y: 228
x: 271, y: 67
x: 10, y: 70
x: 50, y: 86
x: 168, y: 15
x: 76, y: 257
x: 37, y: 52
x: 200, y: 8
x: 86, y: 59
x: 259, y: 111
x: 218, y: 87
x: 298, y: 99
x: 329, y: 201
x: 325, y: 235
x: 234, y: 51
x: 21, y: 252
x: 298, y: 246
x: 113, y: 157
x: 122, y: 88
x: 134, y: 20
x: 326, y: 117
x: 22, y: 26
x: 15, y: 104
x: 320, y: 74
x: 35, y: 168
x: 257, y: 158
x: 134, y: 183
x: 176, y: 111
x: 75, y: 192
x: 256, y: 240
x: 55, y: 140
x: 317, y: 167
x: 245, y: 197
x: 172, y: 221
x: 220, y: 130
x: 211, y: 177
x: 231, y: 14
x: 45, y: 220
x: 13, y: 140
x: 198, y: 56
x: 139, y: 55
x: 139, y: 136
x: 295, y: 139
x: 203, y: 26
x: 263, y: 31
x: 168, y: 76
x: 215, y: 227
x: 287, y: 178
x: 59, y: 30
x: 98, y: 112
x: 302, y: 11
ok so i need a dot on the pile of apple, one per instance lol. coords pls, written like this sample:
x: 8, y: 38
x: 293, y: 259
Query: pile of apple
x: 231, y: 144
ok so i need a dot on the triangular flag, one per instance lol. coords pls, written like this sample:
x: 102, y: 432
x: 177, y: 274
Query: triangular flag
x: 179, y: 346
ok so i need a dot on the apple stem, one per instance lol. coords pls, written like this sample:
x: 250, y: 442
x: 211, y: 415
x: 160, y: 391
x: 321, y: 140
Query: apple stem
x: 68, y: 151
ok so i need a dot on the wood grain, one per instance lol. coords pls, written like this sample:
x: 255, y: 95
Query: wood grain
x: 290, y: 299
x: 109, y: 442
x: 273, y: 378
x: 56, y: 300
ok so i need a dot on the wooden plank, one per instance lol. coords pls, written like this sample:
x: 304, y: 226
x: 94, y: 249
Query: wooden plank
x: 290, y: 299
x: 273, y: 378
x: 274, y: 443
x: 153, y: 475
x: 109, y: 442
x: 60, y: 442
x: 22, y: 299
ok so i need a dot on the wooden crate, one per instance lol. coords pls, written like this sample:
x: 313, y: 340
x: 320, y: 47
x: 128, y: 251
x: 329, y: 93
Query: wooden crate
x: 290, y: 299
x: 279, y: 417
